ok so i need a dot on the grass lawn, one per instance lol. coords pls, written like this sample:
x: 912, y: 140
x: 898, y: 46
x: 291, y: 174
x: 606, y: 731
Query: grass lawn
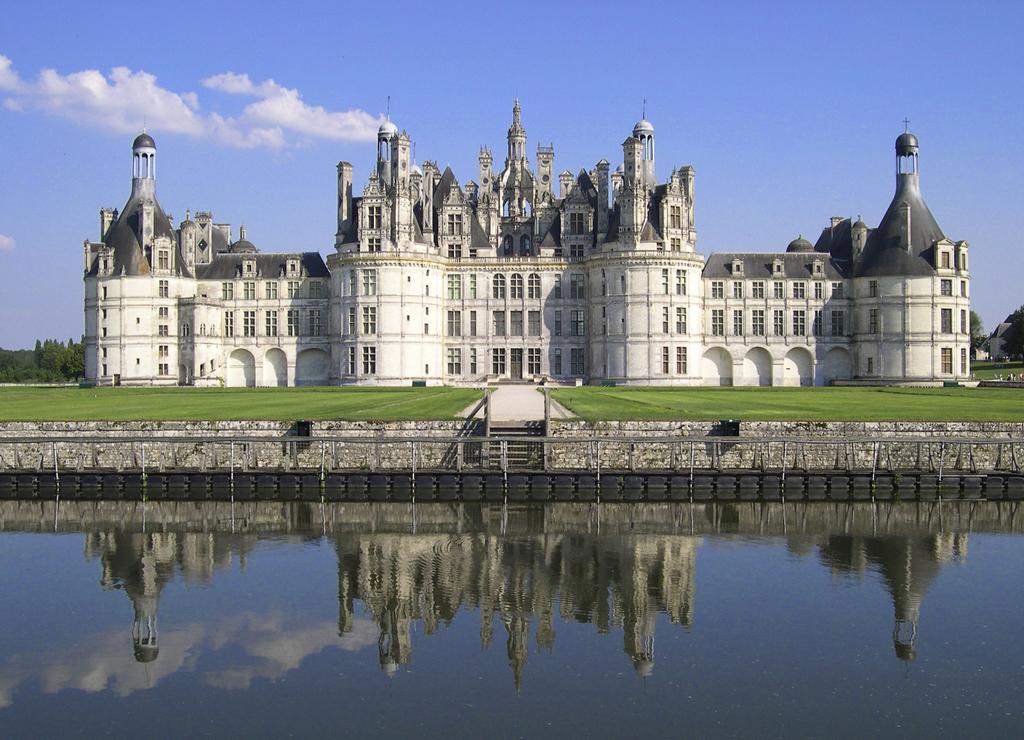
x: 794, y: 404
x: 228, y: 404
x: 990, y: 370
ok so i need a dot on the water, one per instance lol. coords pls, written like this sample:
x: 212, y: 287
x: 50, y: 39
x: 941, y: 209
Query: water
x: 182, y: 619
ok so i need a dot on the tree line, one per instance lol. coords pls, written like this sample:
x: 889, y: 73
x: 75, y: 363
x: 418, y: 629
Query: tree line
x: 51, y: 361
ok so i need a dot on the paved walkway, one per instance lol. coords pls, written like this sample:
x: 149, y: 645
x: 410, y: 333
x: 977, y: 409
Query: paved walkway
x: 520, y: 403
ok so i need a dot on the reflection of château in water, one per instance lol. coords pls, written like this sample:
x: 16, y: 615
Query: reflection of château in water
x: 612, y: 582
x: 908, y: 565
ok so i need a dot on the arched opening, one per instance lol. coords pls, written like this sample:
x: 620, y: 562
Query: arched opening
x: 275, y: 368
x: 525, y: 208
x: 525, y: 245
x: 312, y: 367
x: 506, y: 207
x: 716, y: 367
x: 757, y: 367
x: 506, y: 246
x: 241, y: 369
x: 798, y: 367
x: 837, y: 365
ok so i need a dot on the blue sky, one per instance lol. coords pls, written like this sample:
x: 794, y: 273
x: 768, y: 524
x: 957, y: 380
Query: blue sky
x: 787, y: 110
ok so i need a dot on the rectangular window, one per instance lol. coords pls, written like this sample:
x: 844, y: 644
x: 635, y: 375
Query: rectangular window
x: 498, y: 286
x: 737, y: 289
x: 665, y: 360
x: 676, y: 244
x: 271, y: 290
x: 472, y: 323
x: 681, y: 361
x: 369, y: 282
x: 963, y: 361
x: 533, y: 286
x: 497, y: 362
x: 373, y: 244
x: 314, y: 322
x: 498, y: 325
x: 350, y: 364
x: 577, y: 361
x: 873, y: 321
x: 455, y: 224
x: 556, y: 290
x: 838, y: 324
x: 163, y: 260
x: 664, y: 281
x: 576, y: 251
x: 778, y: 323
x: 946, y: 287
x: 717, y: 289
x: 778, y: 290
x: 293, y: 288
x: 516, y: 285
x: 873, y: 289
x: 162, y: 350
x: 454, y: 324
x: 455, y: 251
x: 819, y: 291
x: 945, y: 264
x: 718, y: 322
x: 578, y: 324
x: 837, y: 290
x: 373, y: 217
x: 369, y: 360
x: 227, y: 291
x: 455, y: 362
x: 680, y: 282
x: 249, y: 323
x: 737, y: 323
x: 164, y: 289
x: 353, y: 282
x: 799, y: 289
x: 757, y: 289
x: 963, y: 288
x: 665, y: 321
x: 270, y: 323
x: 947, y: 360
x: 292, y: 319
x: 946, y: 319
x: 757, y: 322
x: 871, y: 365
x: 963, y: 321
x: 816, y: 329
x: 534, y: 323
x: 533, y: 361
x: 799, y: 323
x: 316, y: 289
x: 675, y: 217
x: 351, y: 327
x: 556, y: 361
x: 164, y: 369
x: 577, y: 223
x: 576, y: 285
x: 369, y: 320
x: 472, y: 361
x: 680, y: 320
x: 163, y: 312
x: 249, y: 290
x: 455, y: 287
x: 229, y: 323
x: 558, y: 323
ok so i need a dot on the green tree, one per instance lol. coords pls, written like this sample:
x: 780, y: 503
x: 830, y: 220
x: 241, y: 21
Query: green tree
x: 978, y: 335
x: 1013, y: 339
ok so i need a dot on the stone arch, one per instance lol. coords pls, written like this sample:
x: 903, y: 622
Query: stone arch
x: 837, y: 365
x: 241, y: 369
x: 275, y: 368
x: 757, y: 367
x: 312, y: 367
x: 798, y: 367
x: 716, y: 367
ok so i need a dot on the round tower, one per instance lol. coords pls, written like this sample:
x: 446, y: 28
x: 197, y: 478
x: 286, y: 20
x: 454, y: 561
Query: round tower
x: 143, y: 165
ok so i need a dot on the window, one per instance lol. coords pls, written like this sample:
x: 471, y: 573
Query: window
x: 578, y: 324
x: 870, y: 365
x: 819, y: 291
x: 737, y: 323
x: 576, y: 285
x: 534, y: 323
x: 472, y: 361
x: 271, y: 291
x: 185, y: 330
x: 681, y: 361
x: 946, y: 287
x: 497, y: 361
x: 369, y: 320
x: 799, y: 323
x: 718, y: 322
x: 837, y: 290
x: 248, y: 267
x: 229, y: 323
x: 163, y: 312
x: 946, y: 320
x: 533, y: 361
x: 161, y: 331
x: 369, y: 282
x: 353, y: 282
x: 373, y: 244
x: 249, y: 290
x: 558, y: 323
x: 737, y: 289
x: 350, y: 326
x: 164, y: 289
x: 472, y: 323
x: 717, y: 289
x: 516, y: 286
x: 227, y: 291
x: 270, y: 323
x: 757, y: 322
x: 455, y: 224
x: 873, y: 289
x: 778, y: 322
x: 454, y: 287
x: 454, y: 327
x: 533, y: 286
x: 947, y: 360
x: 369, y: 360
x: 293, y: 288
x: 314, y: 322
x: 675, y: 217
x: 963, y: 361
x: 517, y: 324
x: 816, y: 329
x: 455, y: 251
x: 577, y: 361
x: 757, y: 289
x: 498, y: 286
x: 162, y: 351
x: 472, y: 285
x: 665, y: 321
x: 945, y: 266
x: 577, y: 223
x: 350, y: 361
x: 499, y: 324
x: 680, y: 282
x: 556, y: 361
x: 963, y: 321
x: 604, y: 320
x: 249, y: 323
x: 556, y: 291
x: 665, y: 360
x: 576, y: 251
x: 778, y: 290
x: 373, y: 217
x: 676, y: 244
x: 838, y: 324
x: 873, y: 321
x: 292, y: 322
x: 315, y: 289
x: 455, y: 362
x: 680, y: 320
x: 664, y: 281
x: 799, y: 289
x: 164, y: 368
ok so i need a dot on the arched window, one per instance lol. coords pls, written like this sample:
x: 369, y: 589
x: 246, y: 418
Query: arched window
x: 525, y: 245
x: 505, y: 207
x: 506, y: 246
x: 498, y: 287
x: 517, y: 286
x: 533, y: 285
x: 526, y: 208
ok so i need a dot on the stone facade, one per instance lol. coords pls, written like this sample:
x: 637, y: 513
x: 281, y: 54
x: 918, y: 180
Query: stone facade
x: 506, y: 277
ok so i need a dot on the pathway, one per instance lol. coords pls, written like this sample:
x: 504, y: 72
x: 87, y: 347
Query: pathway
x: 520, y: 403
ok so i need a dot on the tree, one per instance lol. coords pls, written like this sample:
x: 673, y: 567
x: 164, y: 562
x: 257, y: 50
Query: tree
x: 1013, y: 339
x: 978, y: 335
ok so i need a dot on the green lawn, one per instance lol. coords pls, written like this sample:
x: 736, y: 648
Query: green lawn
x: 227, y: 404
x: 990, y: 370
x: 794, y: 404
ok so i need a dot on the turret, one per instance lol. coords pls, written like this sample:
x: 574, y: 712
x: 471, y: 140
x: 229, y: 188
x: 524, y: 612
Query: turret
x: 486, y: 164
x: 385, y: 134
x: 643, y: 132
x: 601, y: 182
x: 344, y: 201
x: 859, y: 236
x: 143, y: 166
x: 545, y: 165
x: 516, y: 136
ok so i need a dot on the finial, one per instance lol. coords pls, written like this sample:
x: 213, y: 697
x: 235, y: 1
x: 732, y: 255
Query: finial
x: 144, y: 124
x: 389, y: 108
x: 188, y: 214
x: 644, y: 111
x: 906, y: 125
x: 241, y: 231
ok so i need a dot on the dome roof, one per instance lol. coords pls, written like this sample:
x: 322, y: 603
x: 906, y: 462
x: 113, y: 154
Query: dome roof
x: 906, y: 143
x: 858, y: 224
x: 242, y: 246
x: 800, y: 245
x: 387, y: 129
x: 142, y: 141
x: 643, y: 126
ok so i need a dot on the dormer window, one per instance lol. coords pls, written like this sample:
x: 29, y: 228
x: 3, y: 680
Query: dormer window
x: 737, y: 267
x: 777, y: 267
x: 817, y: 268
x: 249, y: 267
x: 293, y: 267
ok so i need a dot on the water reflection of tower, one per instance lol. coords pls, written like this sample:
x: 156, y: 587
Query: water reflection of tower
x: 907, y: 564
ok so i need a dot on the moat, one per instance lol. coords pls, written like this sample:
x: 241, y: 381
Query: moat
x: 521, y: 620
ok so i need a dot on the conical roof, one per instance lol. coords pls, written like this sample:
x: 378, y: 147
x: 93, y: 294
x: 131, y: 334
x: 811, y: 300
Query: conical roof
x: 892, y: 249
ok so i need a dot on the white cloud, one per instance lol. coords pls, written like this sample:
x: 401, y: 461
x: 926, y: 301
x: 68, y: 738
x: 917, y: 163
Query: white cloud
x: 6, y: 243
x: 125, y: 100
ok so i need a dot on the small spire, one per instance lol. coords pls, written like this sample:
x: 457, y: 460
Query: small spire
x: 388, y: 114
x: 906, y: 125
x: 241, y: 232
x: 643, y: 113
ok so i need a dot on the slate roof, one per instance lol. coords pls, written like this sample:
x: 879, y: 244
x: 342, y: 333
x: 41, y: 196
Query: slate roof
x: 758, y: 265
x: 121, y: 238
x: 887, y: 252
x: 268, y: 265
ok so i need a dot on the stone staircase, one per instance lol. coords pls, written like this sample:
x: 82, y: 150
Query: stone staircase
x: 522, y: 453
